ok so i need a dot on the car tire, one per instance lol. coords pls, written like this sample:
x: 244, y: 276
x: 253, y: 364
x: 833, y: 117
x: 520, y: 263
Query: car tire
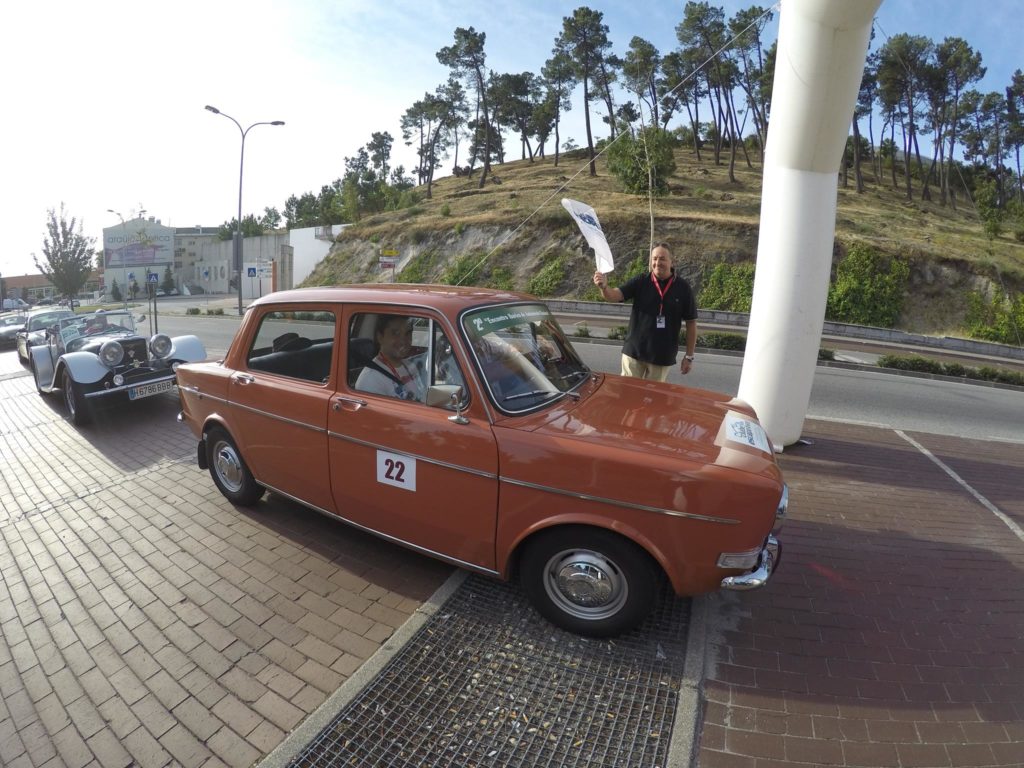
x: 588, y: 580
x: 229, y: 471
x: 75, y: 401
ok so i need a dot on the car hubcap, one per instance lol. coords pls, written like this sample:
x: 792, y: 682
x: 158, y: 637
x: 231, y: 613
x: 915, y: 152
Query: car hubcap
x: 585, y: 584
x: 228, y: 466
x: 69, y: 396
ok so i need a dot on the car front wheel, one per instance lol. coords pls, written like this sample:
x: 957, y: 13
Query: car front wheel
x: 229, y: 471
x: 588, y: 580
x: 74, y: 401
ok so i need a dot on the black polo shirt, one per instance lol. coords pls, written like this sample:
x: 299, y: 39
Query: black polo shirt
x: 644, y: 340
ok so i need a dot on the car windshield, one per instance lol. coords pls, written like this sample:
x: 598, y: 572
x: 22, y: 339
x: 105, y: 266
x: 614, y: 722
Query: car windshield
x: 95, y: 324
x: 524, y: 359
x: 45, y: 320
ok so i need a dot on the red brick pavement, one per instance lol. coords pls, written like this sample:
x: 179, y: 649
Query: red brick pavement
x: 145, y: 620
x: 893, y: 634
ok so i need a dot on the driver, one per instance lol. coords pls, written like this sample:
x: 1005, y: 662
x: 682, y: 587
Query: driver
x: 95, y: 324
x: 395, y: 372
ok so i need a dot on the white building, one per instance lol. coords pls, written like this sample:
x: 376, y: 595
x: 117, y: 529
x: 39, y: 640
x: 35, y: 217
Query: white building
x: 198, y: 259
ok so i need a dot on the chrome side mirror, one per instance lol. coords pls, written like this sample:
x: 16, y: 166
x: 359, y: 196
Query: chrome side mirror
x: 456, y: 401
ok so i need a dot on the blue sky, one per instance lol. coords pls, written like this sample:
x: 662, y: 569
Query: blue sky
x: 105, y: 99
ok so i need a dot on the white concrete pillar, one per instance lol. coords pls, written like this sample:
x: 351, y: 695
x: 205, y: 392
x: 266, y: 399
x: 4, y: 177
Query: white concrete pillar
x: 822, y: 47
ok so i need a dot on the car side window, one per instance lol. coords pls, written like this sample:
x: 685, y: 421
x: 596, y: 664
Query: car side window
x: 402, y: 356
x: 298, y: 344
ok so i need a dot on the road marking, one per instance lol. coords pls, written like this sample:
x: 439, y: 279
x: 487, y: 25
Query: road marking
x: 1017, y: 530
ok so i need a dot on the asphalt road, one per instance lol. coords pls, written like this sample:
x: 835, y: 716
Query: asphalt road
x: 856, y: 396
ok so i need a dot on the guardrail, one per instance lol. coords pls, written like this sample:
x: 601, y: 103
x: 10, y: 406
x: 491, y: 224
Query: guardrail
x: 742, y: 319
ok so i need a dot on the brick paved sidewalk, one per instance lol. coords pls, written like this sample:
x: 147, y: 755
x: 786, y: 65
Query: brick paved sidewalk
x: 893, y: 634
x: 145, y: 620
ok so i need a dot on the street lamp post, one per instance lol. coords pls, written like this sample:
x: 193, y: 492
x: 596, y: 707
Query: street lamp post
x: 241, y: 166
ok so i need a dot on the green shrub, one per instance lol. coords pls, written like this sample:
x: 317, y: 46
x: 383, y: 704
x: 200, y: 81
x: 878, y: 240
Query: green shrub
x: 826, y: 354
x: 500, y: 278
x: 731, y: 341
x: 216, y: 311
x: 924, y: 365
x: 193, y: 311
x: 550, y: 278
x: 419, y: 268
x: 617, y: 332
x: 643, y: 162
x: 910, y: 363
x: 953, y: 369
x: 999, y: 319
x: 581, y: 330
x: 461, y: 270
x: 419, y: 235
x: 868, y: 289
x: 446, y: 210
x: 728, y: 287
x: 459, y: 227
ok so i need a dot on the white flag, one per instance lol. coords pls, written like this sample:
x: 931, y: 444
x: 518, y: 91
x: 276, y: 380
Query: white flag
x: 586, y: 219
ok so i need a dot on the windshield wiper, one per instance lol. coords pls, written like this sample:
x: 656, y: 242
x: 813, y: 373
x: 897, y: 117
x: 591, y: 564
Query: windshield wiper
x: 532, y: 393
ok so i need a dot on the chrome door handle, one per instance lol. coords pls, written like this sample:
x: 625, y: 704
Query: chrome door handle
x: 341, y: 402
x: 243, y: 378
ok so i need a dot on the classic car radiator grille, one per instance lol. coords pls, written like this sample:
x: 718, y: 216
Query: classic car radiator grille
x: 135, y: 350
x: 487, y: 682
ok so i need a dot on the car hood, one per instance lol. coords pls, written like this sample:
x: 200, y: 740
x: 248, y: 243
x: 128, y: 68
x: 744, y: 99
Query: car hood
x: 694, y: 425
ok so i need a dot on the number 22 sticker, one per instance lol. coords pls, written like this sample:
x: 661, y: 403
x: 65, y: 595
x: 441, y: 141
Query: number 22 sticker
x: 397, y: 470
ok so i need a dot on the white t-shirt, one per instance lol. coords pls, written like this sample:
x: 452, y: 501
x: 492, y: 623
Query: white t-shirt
x: 408, y: 380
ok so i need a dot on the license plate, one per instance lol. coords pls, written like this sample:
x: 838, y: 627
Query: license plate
x: 147, y: 390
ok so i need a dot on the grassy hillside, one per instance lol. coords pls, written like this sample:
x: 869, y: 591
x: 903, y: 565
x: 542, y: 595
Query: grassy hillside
x: 516, y: 234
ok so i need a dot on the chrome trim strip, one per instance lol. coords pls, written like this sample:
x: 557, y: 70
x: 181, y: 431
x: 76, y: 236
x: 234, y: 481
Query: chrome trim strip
x: 203, y: 395
x: 418, y: 457
x: 274, y: 416
x: 614, y: 502
x: 385, y: 536
x: 125, y: 387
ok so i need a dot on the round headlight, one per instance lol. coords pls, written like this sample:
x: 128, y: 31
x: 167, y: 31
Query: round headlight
x: 160, y: 345
x: 111, y: 353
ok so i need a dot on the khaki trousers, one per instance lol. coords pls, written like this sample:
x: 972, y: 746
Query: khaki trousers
x: 640, y: 370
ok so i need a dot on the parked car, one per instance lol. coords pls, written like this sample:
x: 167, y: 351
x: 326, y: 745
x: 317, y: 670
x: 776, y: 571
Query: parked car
x: 10, y: 324
x: 33, y: 329
x: 101, y: 356
x: 471, y: 431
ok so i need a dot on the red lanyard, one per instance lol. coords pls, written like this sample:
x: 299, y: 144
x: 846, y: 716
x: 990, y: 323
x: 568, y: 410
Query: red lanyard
x: 661, y: 293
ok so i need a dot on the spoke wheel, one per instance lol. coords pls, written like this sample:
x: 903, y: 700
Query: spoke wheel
x: 588, y: 580
x: 229, y: 471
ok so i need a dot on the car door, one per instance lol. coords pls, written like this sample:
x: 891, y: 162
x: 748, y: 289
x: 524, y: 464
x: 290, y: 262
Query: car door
x: 279, y: 399
x: 417, y: 473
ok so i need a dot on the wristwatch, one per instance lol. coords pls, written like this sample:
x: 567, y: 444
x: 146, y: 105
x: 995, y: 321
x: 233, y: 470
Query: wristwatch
x: 688, y: 357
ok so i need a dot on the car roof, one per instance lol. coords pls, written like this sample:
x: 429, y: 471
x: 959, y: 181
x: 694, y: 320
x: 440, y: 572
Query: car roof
x: 46, y: 311
x: 448, y: 299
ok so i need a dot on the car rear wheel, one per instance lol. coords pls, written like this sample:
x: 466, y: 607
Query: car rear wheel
x: 229, y: 471
x: 74, y: 400
x: 588, y: 580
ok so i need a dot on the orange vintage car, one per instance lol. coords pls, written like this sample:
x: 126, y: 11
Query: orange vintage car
x: 461, y: 423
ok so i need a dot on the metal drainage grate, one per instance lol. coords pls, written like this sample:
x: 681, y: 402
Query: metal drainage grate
x: 488, y: 682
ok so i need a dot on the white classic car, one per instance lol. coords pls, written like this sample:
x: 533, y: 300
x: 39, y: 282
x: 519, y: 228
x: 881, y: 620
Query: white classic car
x: 101, y: 355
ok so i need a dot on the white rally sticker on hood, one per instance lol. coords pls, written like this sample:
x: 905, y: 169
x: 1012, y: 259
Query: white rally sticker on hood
x: 745, y: 431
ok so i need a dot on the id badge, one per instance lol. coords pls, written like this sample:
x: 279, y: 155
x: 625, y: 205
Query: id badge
x: 661, y: 321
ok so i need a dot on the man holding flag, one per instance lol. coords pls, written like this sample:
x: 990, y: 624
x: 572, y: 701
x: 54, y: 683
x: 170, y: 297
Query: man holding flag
x: 662, y: 300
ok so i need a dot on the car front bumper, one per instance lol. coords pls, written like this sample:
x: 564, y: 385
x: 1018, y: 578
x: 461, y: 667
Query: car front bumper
x: 771, y: 554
